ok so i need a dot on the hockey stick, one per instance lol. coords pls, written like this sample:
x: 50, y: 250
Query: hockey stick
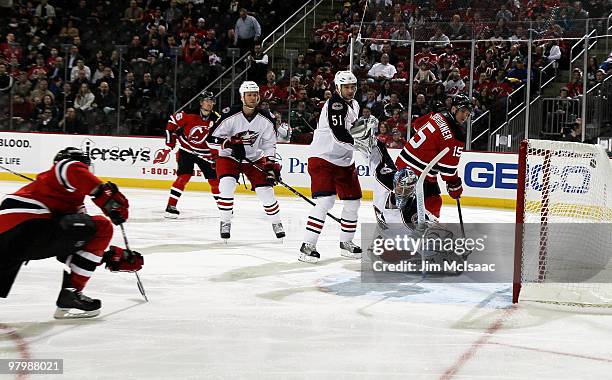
x: 138, y: 282
x: 460, y: 218
x: 294, y: 191
x: 140, y: 287
x: 420, y: 189
x: 17, y: 174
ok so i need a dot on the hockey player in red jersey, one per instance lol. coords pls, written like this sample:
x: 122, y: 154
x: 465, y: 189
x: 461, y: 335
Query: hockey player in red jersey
x: 332, y: 170
x: 47, y: 218
x: 191, y: 130
x: 245, y: 138
x: 434, y: 132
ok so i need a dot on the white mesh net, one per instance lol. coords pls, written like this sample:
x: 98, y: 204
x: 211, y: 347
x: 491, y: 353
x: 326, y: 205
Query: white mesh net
x: 567, y: 234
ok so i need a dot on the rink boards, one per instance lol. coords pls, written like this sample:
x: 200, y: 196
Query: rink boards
x: 489, y: 179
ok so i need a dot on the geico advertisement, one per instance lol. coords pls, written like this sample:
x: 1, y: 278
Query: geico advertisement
x: 488, y: 175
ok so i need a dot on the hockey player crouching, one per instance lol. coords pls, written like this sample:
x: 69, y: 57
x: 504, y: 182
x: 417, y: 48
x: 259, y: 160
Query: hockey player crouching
x: 434, y: 132
x: 47, y: 218
x: 191, y: 130
x: 245, y: 138
x: 332, y: 170
x: 395, y: 208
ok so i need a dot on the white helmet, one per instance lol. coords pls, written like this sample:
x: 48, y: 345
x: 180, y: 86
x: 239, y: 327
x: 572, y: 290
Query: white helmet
x: 247, y: 86
x: 344, y: 77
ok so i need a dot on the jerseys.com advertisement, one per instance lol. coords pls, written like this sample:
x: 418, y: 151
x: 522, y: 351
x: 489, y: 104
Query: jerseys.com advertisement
x: 489, y: 178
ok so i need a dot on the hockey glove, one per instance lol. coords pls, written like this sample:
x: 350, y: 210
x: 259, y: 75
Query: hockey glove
x: 272, y: 170
x: 114, y: 204
x: 238, y: 151
x: 122, y: 260
x: 171, y: 140
x: 454, y: 187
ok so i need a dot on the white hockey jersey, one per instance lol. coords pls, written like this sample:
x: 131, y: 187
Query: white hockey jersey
x: 383, y: 168
x: 235, y: 123
x: 332, y: 140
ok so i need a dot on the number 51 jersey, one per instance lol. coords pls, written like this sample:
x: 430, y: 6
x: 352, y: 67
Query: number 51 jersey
x: 434, y: 132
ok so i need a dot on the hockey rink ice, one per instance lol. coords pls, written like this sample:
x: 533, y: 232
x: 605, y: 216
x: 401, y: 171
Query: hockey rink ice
x: 248, y: 309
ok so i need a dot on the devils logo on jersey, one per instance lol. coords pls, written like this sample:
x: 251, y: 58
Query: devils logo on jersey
x: 197, y: 135
x: 191, y: 131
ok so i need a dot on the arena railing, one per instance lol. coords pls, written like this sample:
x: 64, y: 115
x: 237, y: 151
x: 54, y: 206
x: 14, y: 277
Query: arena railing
x: 223, y: 83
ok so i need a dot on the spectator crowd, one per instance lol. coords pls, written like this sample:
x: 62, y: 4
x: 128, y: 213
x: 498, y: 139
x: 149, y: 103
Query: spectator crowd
x: 72, y: 65
x: 87, y: 66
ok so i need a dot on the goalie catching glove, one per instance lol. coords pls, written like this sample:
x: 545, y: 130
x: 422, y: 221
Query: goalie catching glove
x: 114, y: 204
x: 122, y: 260
x: 363, y: 138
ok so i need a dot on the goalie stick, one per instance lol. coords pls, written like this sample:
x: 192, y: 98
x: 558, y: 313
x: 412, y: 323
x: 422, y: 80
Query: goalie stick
x: 294, y: 191
x: 138, y: 282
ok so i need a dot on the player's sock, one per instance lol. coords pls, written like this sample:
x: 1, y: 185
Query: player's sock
x: 316, y: 219
x: 214, y: 189
x: 227, y: 186
x: 82, y: 264
x: 270, y: 204
x: 177, y: 188
x: 348, y: 220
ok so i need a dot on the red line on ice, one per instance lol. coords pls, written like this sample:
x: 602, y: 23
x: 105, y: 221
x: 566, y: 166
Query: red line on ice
x: 21, y: 344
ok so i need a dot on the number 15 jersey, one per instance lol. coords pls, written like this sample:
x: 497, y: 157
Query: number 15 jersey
x: 434, y: 132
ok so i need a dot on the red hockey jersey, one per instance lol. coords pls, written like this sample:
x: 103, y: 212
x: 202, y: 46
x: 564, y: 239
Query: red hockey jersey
x: 191, y: 131
x: 434, y: 132
x: 59, y: 191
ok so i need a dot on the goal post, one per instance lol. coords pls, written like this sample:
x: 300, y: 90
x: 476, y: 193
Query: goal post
x: 563, y: 236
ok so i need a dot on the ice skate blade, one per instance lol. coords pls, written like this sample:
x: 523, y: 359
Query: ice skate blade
x: 308, y: 259
x: 71, y: 313
x: 350, y: 255
x: 170, y: 216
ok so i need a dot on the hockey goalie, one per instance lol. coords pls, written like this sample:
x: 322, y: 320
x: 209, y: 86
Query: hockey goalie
x: 395, y: 208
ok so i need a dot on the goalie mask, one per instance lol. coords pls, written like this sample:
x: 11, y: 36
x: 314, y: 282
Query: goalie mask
x: 404, y: 184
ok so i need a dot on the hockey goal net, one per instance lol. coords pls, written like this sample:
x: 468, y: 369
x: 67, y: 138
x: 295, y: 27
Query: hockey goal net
x: 563, y: 240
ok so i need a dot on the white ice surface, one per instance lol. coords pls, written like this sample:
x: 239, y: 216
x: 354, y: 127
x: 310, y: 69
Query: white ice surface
x: 249, y: 309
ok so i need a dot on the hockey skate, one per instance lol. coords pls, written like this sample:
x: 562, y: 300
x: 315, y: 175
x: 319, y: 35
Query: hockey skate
x: 73, y: 304
x: 278, y: 230
x: 350, y: 250
x: 171, y: 212
x: 309, y: 254
x: 224, y: 229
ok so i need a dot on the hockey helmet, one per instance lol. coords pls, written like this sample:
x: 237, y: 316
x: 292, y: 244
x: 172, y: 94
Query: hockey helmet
x: 247, y: 86
x: 72, y: 153
x: 344, y: 77
x: 404, y: 185
x: 206, y: 95
x: 462, y: 101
